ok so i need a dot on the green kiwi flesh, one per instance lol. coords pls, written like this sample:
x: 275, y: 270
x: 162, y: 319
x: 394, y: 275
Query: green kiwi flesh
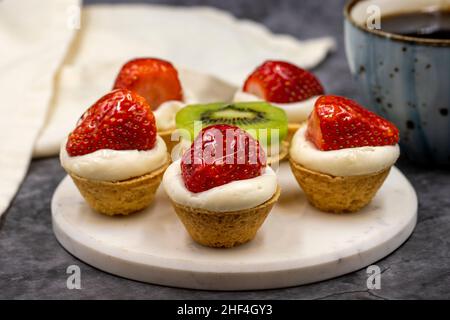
x: 257, y: 118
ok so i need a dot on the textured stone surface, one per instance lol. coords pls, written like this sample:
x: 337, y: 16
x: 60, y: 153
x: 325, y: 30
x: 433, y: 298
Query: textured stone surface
x: 33, y: 265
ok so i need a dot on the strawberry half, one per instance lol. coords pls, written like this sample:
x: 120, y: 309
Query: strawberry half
x: 221, y: 154
x: 120, y: 120
x: 338, y: 123
x: 154, y: 79
x: 282, y: 82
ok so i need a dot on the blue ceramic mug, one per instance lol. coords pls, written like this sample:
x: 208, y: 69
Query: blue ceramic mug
x: 404, y: 79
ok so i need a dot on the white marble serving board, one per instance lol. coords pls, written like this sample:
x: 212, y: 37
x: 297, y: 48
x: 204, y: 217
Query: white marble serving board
x: 296, y: 245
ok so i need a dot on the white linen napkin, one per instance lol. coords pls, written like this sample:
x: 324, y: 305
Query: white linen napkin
x: 34, y: 37
x: 35, y: 42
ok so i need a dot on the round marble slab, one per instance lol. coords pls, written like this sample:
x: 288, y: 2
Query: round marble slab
x: 296, y: 245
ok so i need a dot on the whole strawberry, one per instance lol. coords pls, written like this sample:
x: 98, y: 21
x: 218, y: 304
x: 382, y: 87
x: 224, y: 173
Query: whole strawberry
x: 337, y: 123
x: 154, y: 79
x: 120, y: 120
x: 221, y: 154
x: 282, y: 82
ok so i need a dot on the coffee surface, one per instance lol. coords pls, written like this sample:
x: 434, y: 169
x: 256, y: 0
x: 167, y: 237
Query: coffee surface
x: 429, y: 25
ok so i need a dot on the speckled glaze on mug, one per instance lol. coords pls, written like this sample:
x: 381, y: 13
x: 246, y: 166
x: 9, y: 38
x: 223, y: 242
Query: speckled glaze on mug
x: 404, y: 79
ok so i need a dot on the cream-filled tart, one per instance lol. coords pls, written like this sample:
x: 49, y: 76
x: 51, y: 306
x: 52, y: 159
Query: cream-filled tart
x: 114, y: 155
x: 342, y: 156
x: 206, y: 187
x: 286, y: 86
x: 158, y: 82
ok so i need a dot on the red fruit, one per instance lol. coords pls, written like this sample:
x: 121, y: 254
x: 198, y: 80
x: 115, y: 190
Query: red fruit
x: 338, y: 123
x: 282, y: 82
x: 221, y: 154
x: 120, y: 120
x: 154, y: 79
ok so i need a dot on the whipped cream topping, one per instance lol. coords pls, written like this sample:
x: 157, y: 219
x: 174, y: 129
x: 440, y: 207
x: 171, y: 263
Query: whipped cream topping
x: 343, y: 162
x: 165, y: 114
x: 180, y: 148
x: 115, y: 165
x: 224, y: 198
x: 296, y: 112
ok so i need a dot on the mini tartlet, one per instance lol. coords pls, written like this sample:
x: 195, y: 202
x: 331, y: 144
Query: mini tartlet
x: 207, y: 185
x: 284, y: 85
x: 343, y: 155
x: 157, y: 81
x: 114, y: 155
x: 263, y: 121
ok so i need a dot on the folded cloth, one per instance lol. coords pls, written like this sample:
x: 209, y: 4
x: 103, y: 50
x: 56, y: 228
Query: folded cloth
x: 34, y: 37
x: 198, y: 38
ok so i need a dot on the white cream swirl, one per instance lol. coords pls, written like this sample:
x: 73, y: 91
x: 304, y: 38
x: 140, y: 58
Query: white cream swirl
x: 224, y: 198
x: 343, y: 162
x: 165, y: 114
x: 296, y: 112
x: 115, y: 165
x: 180, y: 148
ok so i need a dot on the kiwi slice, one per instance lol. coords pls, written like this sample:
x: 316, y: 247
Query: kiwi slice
x: 262, y: 120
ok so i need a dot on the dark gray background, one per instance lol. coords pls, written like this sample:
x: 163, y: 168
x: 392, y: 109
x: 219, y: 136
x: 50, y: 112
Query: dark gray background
x: 33, y: 265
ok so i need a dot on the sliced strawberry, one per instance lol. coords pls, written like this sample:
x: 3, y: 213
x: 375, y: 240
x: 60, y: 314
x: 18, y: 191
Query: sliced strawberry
x: 282, y: 82
x: 338, y: 123
x: 120, y: 120
x: 221, y: 154
x: 154, y: 79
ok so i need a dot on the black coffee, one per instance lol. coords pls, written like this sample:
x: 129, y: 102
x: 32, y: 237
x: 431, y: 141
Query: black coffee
x: 430, y: 25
